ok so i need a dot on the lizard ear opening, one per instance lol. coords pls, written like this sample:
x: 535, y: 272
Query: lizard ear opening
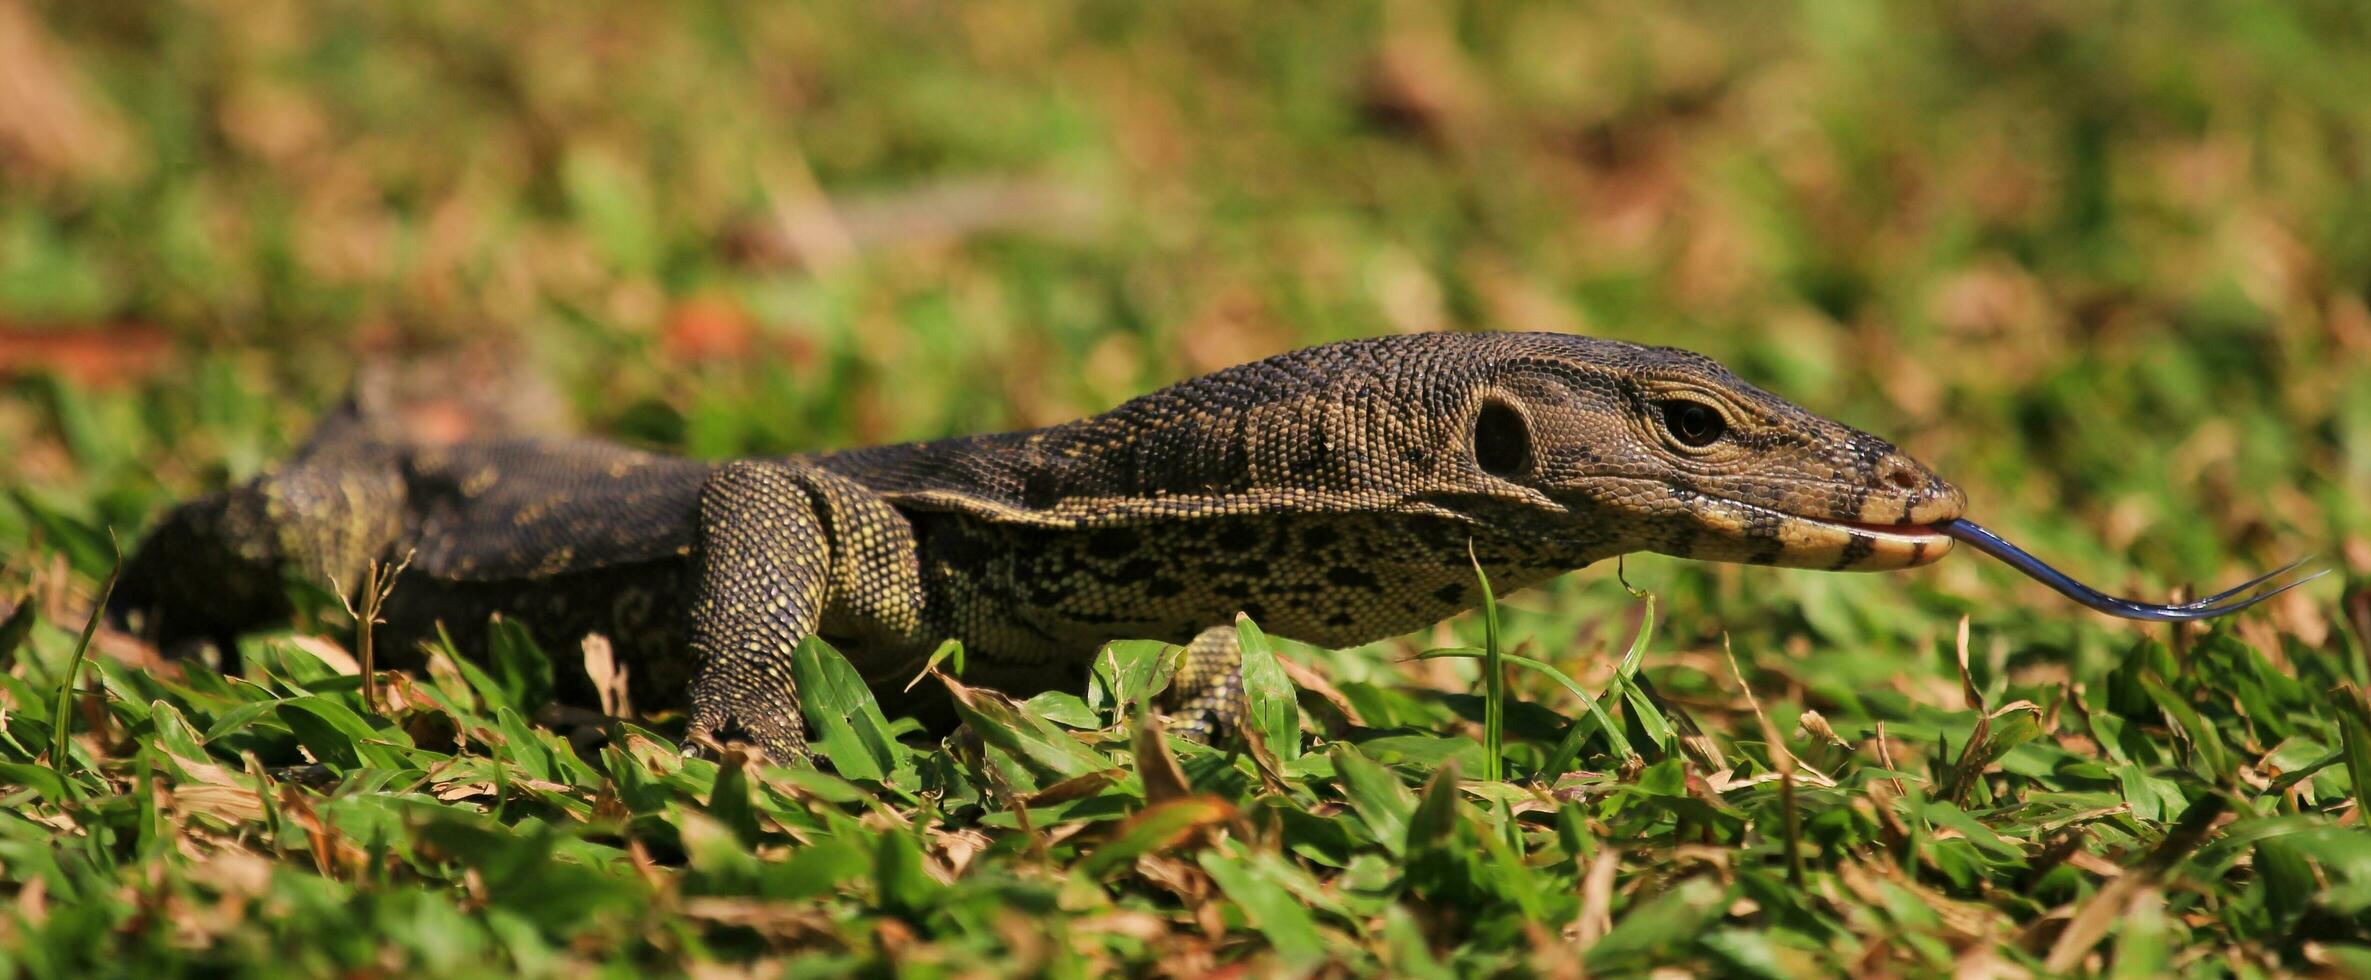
x: 1502, y: 440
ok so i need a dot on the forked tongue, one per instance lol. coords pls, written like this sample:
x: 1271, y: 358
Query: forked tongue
x: 2223, y: 603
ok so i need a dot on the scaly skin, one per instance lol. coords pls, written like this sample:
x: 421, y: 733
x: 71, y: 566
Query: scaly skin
x: 1331, y: 493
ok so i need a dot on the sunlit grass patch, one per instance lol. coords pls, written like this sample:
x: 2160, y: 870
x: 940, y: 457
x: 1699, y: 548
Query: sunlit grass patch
x: 2116, y: 815
x: 2104, y: 266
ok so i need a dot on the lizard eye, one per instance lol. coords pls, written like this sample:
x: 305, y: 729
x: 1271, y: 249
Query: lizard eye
x: 1502, y: 441
x: 1693, y: 423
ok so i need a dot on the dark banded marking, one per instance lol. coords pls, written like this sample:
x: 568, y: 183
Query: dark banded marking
x: 1856, y: 550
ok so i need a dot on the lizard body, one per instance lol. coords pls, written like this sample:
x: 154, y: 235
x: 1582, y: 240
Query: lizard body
x: 1332, y: 493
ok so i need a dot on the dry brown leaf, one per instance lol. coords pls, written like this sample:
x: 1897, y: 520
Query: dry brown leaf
x: 1076, y: 787
x: 94, y: 357
x: 329, y: 652
x: 957, y: 848
x: 2097, y: 916
x: 450, y: 792
x: 231, y: 803
x: 1316, y: 683
x: 32, y: 901
x: 608, y: 676
x: 774, y: 920
x: 1816, y: 726
x: 234, y: 872
x: 1157, y: 765
x: 1597, y: 900
x: 707, y: 328
x: 1177, y: 876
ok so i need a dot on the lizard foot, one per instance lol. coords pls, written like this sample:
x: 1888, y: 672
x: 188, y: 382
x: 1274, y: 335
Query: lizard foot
x: 1206, y: 701
x: 766, y: 716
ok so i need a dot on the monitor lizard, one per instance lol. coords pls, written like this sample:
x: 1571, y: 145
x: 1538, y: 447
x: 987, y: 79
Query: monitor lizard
x: 1338, y: 495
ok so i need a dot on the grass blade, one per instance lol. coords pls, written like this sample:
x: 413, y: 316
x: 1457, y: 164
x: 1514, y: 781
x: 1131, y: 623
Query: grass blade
x: 1596, y: 711
x: 2354, y: 728
x: 1494, y: 679
x: 62, y: 716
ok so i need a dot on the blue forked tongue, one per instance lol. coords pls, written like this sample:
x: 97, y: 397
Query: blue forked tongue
x: 2223, y: 603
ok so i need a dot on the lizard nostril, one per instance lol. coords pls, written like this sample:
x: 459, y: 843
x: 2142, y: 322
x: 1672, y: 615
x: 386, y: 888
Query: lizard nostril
x: 1900, y: 473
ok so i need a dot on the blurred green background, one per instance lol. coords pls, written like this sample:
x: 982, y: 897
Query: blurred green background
x: 2105, y: 265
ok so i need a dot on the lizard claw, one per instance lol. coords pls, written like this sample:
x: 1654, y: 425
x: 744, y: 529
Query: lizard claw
x: 776, y: 729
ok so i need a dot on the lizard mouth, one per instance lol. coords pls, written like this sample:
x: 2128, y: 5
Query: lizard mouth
x: 1925, y: 532
x: 1759, y: 535
x: 1866, y: 546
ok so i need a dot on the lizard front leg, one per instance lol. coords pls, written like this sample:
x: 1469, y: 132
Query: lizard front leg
x: 783, y: 548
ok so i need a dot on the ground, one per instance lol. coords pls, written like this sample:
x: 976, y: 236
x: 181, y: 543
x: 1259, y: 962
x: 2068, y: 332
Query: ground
x: 2105, y: 266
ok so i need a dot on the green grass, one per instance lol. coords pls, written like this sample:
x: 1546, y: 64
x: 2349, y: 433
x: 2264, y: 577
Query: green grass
x: 2106, y: 267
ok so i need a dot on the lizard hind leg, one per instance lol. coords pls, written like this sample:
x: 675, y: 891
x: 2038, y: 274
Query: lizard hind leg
x: 761, y: 573
x: 782, y: 549
x: 1206, y: 700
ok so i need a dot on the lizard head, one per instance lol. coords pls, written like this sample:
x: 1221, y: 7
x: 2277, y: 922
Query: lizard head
x: 1689, y: 460
x: 1610, y: 447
